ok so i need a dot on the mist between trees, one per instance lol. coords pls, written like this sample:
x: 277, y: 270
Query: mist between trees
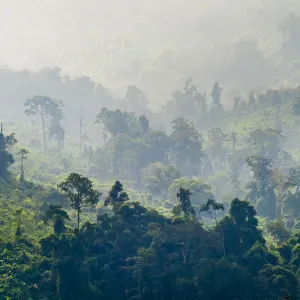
x: 102, y: 197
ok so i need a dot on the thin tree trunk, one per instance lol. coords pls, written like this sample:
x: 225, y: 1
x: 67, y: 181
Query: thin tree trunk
x: 78, y: 218
x: 44, y: 133
x: 223, y: 243
x: 22, y: 170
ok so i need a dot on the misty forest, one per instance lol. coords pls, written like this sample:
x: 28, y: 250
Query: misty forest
x: 156, y: 160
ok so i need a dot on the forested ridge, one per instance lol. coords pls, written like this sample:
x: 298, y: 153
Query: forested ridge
x: 103, y: 197
x: 209, y: 209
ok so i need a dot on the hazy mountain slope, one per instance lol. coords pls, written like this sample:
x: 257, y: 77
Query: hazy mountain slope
x: 153, y: 44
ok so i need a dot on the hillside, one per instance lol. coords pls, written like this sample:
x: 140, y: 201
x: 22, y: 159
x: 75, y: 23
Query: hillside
x: 156, y: 45
x: 150, y: 150
x: 158, y: 234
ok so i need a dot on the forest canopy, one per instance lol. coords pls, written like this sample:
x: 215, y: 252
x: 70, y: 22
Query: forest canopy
x: 104, y: 197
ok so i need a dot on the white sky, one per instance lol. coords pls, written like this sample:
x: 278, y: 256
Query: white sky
x: 36, y: 33
x: 80, y: 36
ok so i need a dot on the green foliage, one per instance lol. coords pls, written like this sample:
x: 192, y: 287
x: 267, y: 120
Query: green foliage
x: 23, y: 154
x: 57, y: 215
x: 141, y: 253
x: 79, y: 190
x: 184, y: 207
x: 211, y: 205
x: 278, y: 231
x: 6, y: 158
x: 240, y: 228
x: 262, y: 187
x: 116, y: 196
x: 266, y: 142
x: 118, y: 122
x: 187, y: 145
x: 137, y: 252
x: 47, y: 108
x: 159, y: 177
x: 200, y: 190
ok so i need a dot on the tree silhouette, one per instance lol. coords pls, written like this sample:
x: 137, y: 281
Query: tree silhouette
x: 46, y: 108
x: 185, y: 205
x: 22, y: 153
x: 79, y: 190
x: 57, y: 215
x: 116, y: 196
x: 211, y: 207
x: 57, y: 132
x: 262, y: 187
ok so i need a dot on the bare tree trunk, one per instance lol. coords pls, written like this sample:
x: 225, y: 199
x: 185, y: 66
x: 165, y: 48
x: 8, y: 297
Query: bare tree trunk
x: 22, y: 170
x: 78, y: 218
x: 44, y: 133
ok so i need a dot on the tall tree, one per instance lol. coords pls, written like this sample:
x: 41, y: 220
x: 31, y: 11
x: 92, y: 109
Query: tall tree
x: 211, y: 207
x: 185, y: 206
x: 216, y: 139
x: 116, y: 196
x: 23, y: 154
x: 262, y: 186
x: 293, y: 179
x: 159, y: 146
x: 117, y: 122
x: 291, y: 192
x: 216, y: 94
x: 189, y: 102
x: 187, y: 144
x: 240, y: 228
x: 79, y: 190
x: 57, y: 132
x: 266, y: 141
x: 47, y: 108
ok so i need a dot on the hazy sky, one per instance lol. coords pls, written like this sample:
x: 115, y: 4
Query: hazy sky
x: 36, y: 33
x: 118, y: 41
